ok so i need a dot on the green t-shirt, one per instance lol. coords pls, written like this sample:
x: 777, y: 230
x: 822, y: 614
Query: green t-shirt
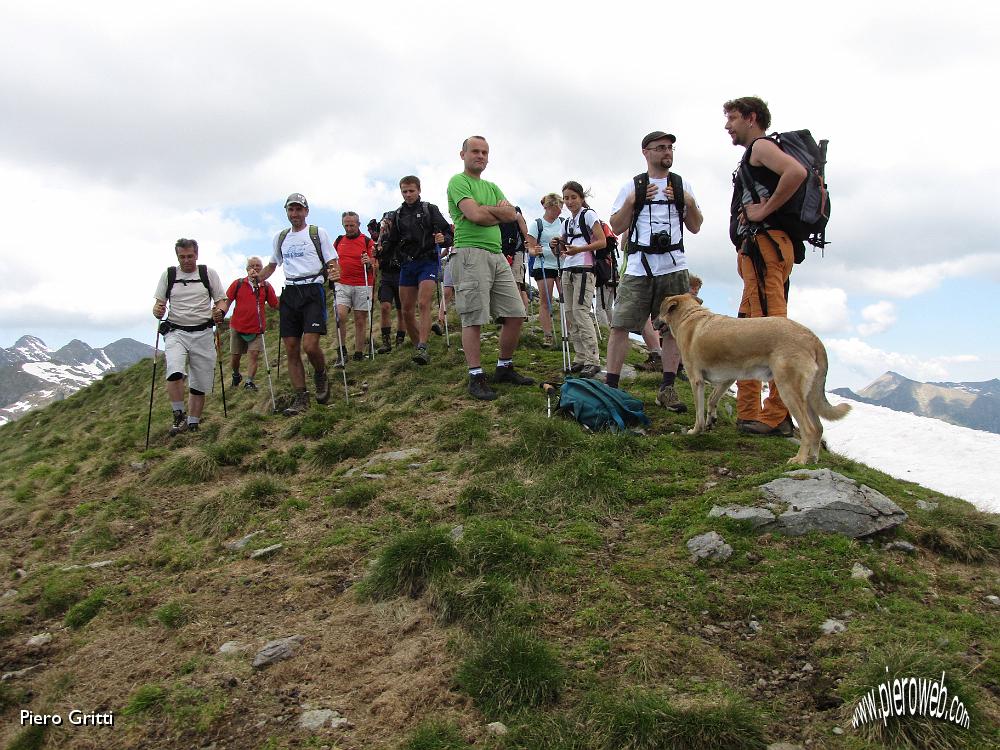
x: 468, y: 233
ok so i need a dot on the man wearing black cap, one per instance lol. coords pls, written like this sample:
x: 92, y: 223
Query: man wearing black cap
x: 654, y: 209
x: 309, y: 260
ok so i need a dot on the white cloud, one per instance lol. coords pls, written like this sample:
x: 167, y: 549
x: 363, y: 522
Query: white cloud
x: 822, y: 310
x: 878, y: 318
x: 864, y: 360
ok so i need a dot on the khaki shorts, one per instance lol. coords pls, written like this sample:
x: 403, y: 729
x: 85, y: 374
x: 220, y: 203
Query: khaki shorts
x: 192, y: 354
x: 517, y: 269
x: 354, y: 297
x: 484, y: 287
x: 237, y: 345
x: 640, y: 297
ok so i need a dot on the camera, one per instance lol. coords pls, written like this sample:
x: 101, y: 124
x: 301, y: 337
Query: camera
x: 660, y: 240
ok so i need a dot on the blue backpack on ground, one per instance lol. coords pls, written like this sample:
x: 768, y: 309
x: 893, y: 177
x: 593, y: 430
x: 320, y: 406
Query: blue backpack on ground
x: 600, y: 407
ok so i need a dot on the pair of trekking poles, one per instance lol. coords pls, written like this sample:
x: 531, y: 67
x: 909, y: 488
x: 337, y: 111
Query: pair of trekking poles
x: 564, y: 329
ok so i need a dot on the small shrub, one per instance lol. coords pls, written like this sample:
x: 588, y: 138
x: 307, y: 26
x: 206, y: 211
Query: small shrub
x: 510, y: 671
x: 84, y: 611
x: 357, y: 495
x: 186, y: 466
x: 435, y: 735
x: 171, y: 615
x: 147, y: 699
x: 411, y: 561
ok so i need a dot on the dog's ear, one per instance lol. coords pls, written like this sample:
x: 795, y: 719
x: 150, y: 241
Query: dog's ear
x: 669, y: 305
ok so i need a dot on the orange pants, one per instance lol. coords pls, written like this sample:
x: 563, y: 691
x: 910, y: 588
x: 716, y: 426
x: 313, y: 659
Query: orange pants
x: 778, y: 262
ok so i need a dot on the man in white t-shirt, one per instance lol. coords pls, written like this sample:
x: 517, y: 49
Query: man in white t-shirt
x: 308, y: 258
x: 196, y: 300
x: 656, y: 267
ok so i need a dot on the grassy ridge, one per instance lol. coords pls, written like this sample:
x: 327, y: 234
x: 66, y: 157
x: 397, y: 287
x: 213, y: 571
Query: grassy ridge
x: 565, y: 605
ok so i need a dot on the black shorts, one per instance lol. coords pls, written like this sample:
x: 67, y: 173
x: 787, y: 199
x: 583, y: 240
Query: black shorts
x: 388, y: 288
x: 302, y: 310
x: 550, y: 273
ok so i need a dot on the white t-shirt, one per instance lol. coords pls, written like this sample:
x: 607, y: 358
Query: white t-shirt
x: 190, y: 303
x: 575, y: 237
x: 298, y: 255
x: 555, y: 229
x: 663, y: 216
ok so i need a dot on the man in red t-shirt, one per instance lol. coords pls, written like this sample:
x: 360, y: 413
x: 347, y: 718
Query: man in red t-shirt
x: 246, y: 328
x: 357, y: 277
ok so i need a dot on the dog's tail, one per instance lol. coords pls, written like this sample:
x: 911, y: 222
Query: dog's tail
x: 817, y: 394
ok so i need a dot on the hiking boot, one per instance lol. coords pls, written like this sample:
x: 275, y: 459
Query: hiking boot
x: 421, y: 357
x: 668, y: 399
x: 386, y: 345
x: 322, y: 383
x: 479, y: 388
x: 180, y: 423
x: 299, y: 405
x: 590, y: 371
x: 653, y: 363
x: 436, y: 327
x: 548, y: 342
x: 193, y: 426
x: 249, y: 386
x: 358, y: 356
x: 753, y: 427
x: 510, y: 375
x: 236, y: 379
x: 341, y: 359
x: 576, y: 368
x: 400, y: 338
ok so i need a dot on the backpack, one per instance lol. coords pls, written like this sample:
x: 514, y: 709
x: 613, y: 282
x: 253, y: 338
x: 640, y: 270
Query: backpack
x: 606, y: 259
x: 511, y: 239
x: 202, y: 277
x: 314, y: 236
x: 804, y: 216
x: 600, y: 407
x: 425, y: 229
x: 641, y: 184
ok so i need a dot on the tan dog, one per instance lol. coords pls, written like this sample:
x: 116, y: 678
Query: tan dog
x: 721, y: 350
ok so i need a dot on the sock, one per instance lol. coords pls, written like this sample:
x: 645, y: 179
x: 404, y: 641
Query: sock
x: 505, y: 363
x: 612, y: 379
x: 473, y: 371
x: 236, y: 372
x: 193, y: 420
x: 177, y: 405
x: 422, y: 346
x: 668, y: 378
x: 386, y: 332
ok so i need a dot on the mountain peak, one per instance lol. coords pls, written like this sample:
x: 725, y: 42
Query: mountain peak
x: 31, y: 349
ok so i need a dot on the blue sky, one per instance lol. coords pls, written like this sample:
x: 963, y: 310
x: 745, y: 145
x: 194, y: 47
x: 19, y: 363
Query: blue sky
x: 137, y: 126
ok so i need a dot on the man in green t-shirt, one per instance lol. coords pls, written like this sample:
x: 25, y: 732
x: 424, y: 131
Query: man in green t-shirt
x: 484, y: 284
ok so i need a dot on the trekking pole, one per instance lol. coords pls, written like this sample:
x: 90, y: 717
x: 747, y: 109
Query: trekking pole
x: 222, y: 377
x: 545, y: 288
x: 277, y: 369
x: 340, y: 340
x: 371, y: 313
x: 562, y: 318
x: 152, y: 385
x: 442, y: 303
x: 263, y: 341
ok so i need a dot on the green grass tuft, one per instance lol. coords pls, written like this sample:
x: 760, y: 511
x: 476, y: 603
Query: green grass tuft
x: 411, y: 561
x: 511, y: 670
x: 230, y: 511
x: 60, y: 591
x: 186, y: 466
x: 147, y: 699
x: 495, y: 547
x: 479, y: 603
x: 171, y: 615
x: 84, y: 611
x: 962, y: 534
x: 231, y: 452
x: 435, y: 735
x: 356, y: 495
x: 465, y: 430
x: 277, y: 462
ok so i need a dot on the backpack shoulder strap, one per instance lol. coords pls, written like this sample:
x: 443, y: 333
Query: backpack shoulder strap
x: 640, y: 183
x: 677, y: 183
x: 584, y: 229
x: 203, y: 277
x: 336, y: 242
x: 538, y: 226
x: 281, y: 239
x: 314, y: 236
x: 171, y: 280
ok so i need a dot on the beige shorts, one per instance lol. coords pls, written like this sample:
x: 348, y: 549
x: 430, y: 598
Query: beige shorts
x: 484, y: 287
x: 517, y: 269
x: 237, y: 345
x: 354, y: 297
x: 192, y: 354
x: 640, y: 297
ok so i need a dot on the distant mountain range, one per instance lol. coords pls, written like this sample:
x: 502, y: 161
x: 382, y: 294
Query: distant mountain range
x: 32, y: 375
x: 975, y: 405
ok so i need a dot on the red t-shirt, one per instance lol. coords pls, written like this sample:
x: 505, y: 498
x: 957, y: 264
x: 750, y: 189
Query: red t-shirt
x: 349, y: 251
x: 246, y: 319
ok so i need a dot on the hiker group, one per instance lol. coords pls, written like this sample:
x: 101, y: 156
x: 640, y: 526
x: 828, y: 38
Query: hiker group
x: 481, y: 262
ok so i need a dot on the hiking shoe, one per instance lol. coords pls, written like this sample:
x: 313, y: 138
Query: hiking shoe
x: 436, y: 327
x: 249, y: 386
x: 341, y: 359
x: 653, y: 363
x: 479, y: 388
x: 548, y: 342
x: 299, y: 405
x: 421, y: 357
x: 322, y: 387
x: 193, y: 426
x: 590, y: 371
x: 576, y: 368
x: 385, y: 348
x: 180, y: 423
x: 753, y: 427
x: 512, y: 376
x: 400, y: 338
x: 236, y: 379
x: 668, y: 399
x: 358, y: 356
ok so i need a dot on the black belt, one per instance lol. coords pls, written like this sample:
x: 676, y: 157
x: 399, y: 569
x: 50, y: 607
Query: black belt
x: 678, y: 248
x: 166, y: 326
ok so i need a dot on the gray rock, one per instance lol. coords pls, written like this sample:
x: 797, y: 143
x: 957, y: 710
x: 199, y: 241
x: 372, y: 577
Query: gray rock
x: 900, y: 546
x: 859, y: 571
x: 20, y: 673
x: 709, y: 546
x: 232, y: 647
x: 101, y: 564
x: 21, y: 573
x: 457, y: 533
x: 994, y: 600
x: 756, y: 516
x: 8, y: 594
x: 627, y: 374
x: 837, y: 730
x: 926, y: 505
x: 71, y: 568
x: 822, y: 500
x: 37, y: 641
x: 496, y: 729
x: 283, y: 648
x: 318, y: 718
x: 373, y: 476
x: 755, y: 626
x: 403, y: 455
x: 241, y: 543
x: 831, y: 626
x: 138, y: 466
x: 266, y: 551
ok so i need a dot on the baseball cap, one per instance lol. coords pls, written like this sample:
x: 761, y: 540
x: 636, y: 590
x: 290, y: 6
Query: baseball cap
x: 296, y: 198
x: 657, y: 135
